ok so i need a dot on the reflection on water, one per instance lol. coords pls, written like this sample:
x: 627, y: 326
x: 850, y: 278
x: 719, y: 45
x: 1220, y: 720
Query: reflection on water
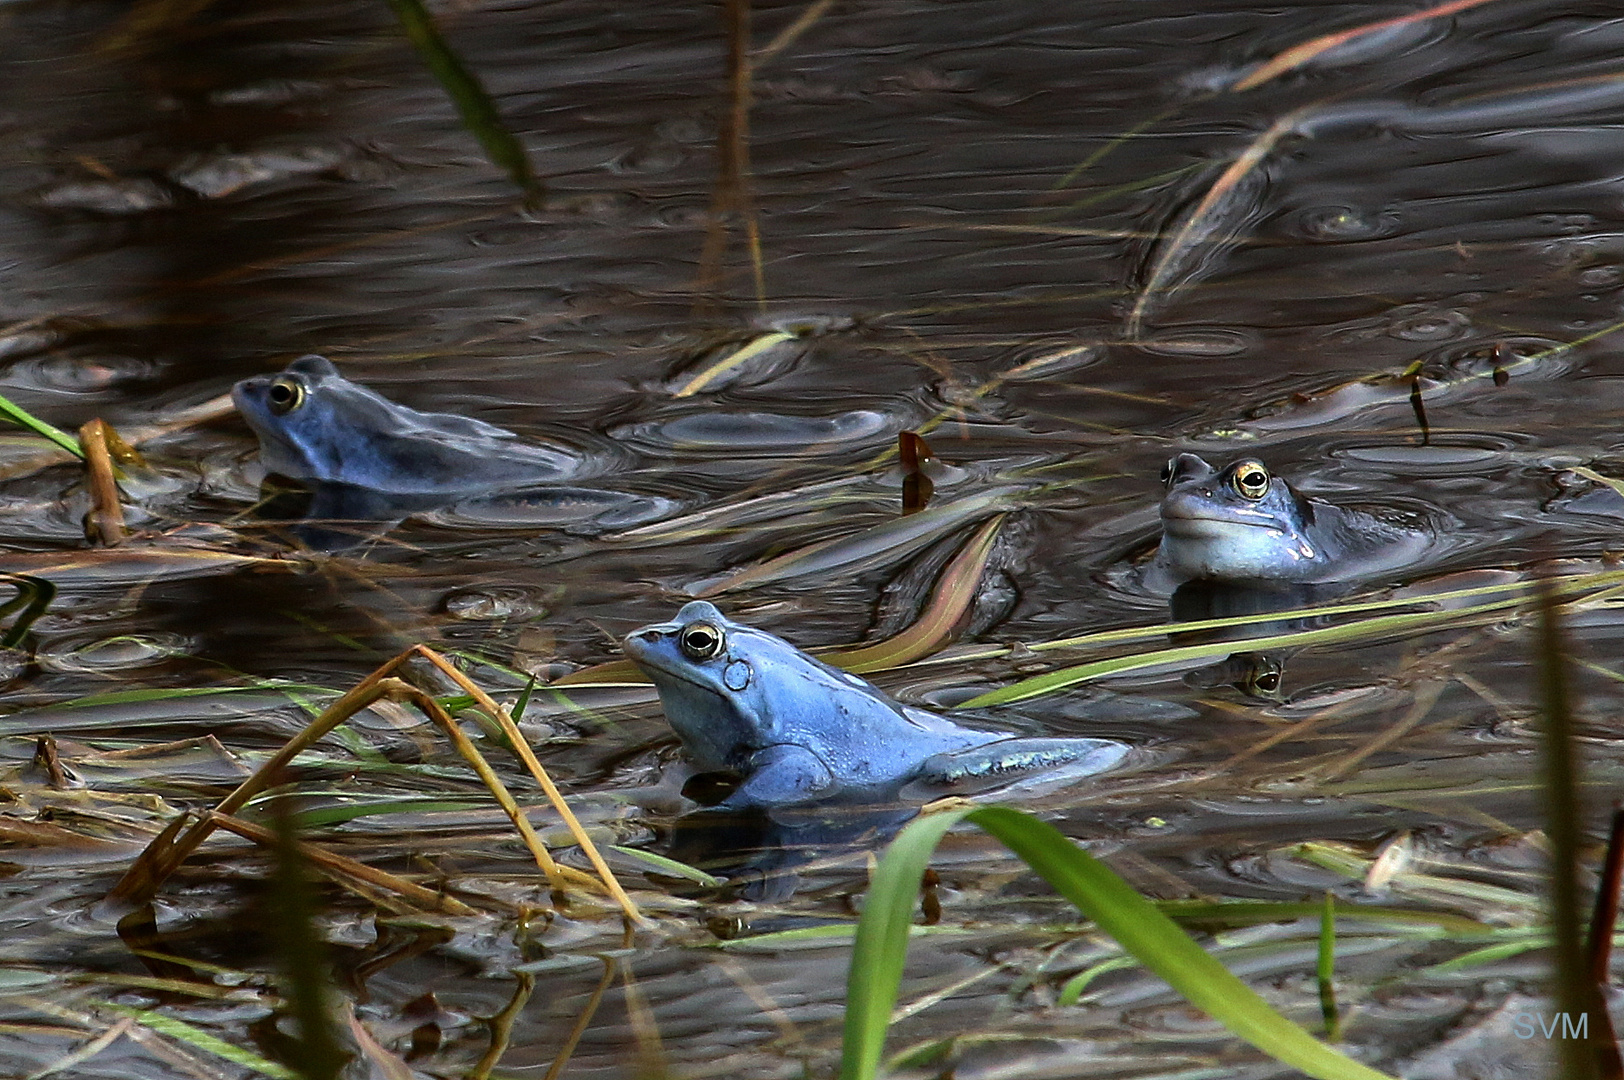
x: 957, y: 220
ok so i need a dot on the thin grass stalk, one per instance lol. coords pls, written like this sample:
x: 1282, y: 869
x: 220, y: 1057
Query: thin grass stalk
x: 1574, y: 994
x: 1298, y: 55
x: 786, y: 37
x: 738, y: 357
x: 340, y: 866
x: 164, y: 855
x: 470, y: 753
x: 521, y: 746
x: 302, y: 955
x: 474, y: 105
x: 1325, y: 969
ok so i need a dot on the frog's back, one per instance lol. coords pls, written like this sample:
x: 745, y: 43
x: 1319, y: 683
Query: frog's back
x: 315, y: 425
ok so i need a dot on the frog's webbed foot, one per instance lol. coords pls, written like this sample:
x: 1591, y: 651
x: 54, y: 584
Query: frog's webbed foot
x: 782, y: 774
x: 1019, y: 759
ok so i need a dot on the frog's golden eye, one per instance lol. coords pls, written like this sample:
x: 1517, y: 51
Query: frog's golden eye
x: 1266, y: 682
x: 1251, y: 480
x: 285, y: 395
x: 701, y: 640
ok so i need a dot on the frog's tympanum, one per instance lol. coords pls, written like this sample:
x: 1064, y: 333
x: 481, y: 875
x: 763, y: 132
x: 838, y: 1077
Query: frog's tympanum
x: 794, y: 729
x: 1244, y: 524
x: 314, y: 425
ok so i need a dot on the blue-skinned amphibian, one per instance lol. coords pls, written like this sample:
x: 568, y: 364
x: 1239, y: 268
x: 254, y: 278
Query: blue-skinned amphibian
x: 1244, y: 524
x: 316, y: 426
x: 792, y: 729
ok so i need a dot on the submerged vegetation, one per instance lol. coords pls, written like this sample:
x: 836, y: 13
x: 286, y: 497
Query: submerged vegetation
x: 1353, y: 867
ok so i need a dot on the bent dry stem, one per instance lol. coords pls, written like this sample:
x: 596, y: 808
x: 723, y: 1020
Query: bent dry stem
x: 172, y: 847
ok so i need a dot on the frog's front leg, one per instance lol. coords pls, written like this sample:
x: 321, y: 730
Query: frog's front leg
x: 1004, y: 760
x: 784, y: 773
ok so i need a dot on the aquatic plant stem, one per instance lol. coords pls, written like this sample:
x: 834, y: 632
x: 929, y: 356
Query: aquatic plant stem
x: 1605, y: 915
x: 1575, y: 996
x: 23, y: 418
x: 104, y: 523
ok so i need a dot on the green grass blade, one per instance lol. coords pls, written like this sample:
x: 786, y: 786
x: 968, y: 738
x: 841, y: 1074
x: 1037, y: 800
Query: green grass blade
x: 1325, y: 970
x: 670, y: 867
x: 734, y: 359
x: 473, y: 104
x: 1142, y: 930
x: 23, y: 418
x: 1052, y: 681
x: 194, y: 1036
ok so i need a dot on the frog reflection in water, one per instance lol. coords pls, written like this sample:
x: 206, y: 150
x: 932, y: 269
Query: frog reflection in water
x: 1245, y: 525
x: 316, y: 426
x: 1242, y: 542
x: 795, y: 729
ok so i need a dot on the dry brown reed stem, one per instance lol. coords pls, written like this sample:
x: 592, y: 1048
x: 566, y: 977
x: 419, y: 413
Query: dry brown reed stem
x: 733, y: 156
x: 165, y: 854
x: 521, y: 746
x: 806, y: 20
x: 341, y: 866
x: 1298, y: 55
x: 104, y: 524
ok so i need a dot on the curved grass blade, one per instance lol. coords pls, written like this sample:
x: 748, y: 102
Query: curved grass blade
x: 1202, y: 223
x: 936, y: 626
x: 882, y: 934
x: 194, y: 1036
x: 892, y: 538
x: 1298, y: 55
x: 23, y: 418
x: 702, y: 379
x: 473, y: 104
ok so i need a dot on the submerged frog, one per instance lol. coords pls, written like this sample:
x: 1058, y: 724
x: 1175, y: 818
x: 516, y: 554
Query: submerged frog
x: 1244, y: 524
x: 795, y: 729
x: 315, y: 425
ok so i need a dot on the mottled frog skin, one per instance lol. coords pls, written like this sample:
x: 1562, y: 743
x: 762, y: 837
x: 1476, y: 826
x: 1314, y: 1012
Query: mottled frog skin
x: 1243, y: 524
x: 314, y: 425
x: 796, y: 730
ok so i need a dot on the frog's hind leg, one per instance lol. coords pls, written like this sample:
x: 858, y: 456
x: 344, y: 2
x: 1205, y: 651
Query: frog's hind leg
x: 1019, y: 761
x: 782, y: 774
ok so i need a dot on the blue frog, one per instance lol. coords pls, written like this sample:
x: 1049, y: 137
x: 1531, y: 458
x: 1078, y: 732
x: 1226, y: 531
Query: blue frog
x: 316, y: 426
x: 794, y: 729
x: 1243, y: 524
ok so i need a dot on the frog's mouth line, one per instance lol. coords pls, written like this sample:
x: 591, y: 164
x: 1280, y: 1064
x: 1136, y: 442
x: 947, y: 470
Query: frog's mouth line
x: 1207, y: 525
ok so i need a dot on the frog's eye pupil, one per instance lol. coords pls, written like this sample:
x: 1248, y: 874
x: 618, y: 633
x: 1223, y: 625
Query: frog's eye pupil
x: 1252, y: 481
x: 701, y: 641
x: 1167, y: 471
x: 1267, y: 681
x: 285, y: 395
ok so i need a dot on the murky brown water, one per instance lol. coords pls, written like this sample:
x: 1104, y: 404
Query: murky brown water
x: 946, y: 193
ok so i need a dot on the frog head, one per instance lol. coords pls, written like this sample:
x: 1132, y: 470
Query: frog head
x: 1241, y: 523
